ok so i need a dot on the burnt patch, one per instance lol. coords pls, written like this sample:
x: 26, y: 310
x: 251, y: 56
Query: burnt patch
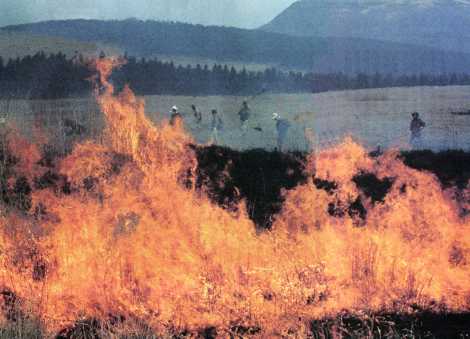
x: 242, y: 331
x: 10, y: 305
x: 19, y: 196
x: 354, y: 209
x: 335, y: 210
x: 88, y: 328
x: 39, y: 270
x: 117, y: 162
x: 457, y: 255
x: 50, y: 179
x: 373, y: 187
x: 90, y: 183
x: 92, y: 328
x: 328, y: 186
x: 421, y: 324
x: 439, y: 325
x: 452, y: 168
x: 49, y: 156
x: 357, y: 210
x: 207, y: 333
x: 257, y: 176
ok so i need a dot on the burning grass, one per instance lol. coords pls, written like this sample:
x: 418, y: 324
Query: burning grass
x: 146, y: 234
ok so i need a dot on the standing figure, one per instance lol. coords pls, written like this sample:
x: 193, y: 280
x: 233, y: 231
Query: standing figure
x: 244, y: 115
x: 416, y: 127
x: 282, y: 127
x: 175, y: 117
x: 216, y: 126
x: 4, y: 131
x: 197, y: 114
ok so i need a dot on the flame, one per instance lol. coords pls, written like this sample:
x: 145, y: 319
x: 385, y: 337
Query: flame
x: 122, y: 235
x: 413, y: 247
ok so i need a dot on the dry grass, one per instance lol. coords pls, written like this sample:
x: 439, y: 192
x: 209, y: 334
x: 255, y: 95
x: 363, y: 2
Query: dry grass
x: 328, y: 117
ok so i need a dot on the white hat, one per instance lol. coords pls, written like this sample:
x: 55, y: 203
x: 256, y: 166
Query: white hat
x: 174, y: 108
x: 276, y: 116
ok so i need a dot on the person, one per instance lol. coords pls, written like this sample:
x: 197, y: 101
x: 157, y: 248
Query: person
x: 416, y: 127
x: 197, y: 114
x: 282, y: 126
x: 216, y: 126
x: 175, y: 116
x: 4, y: 131
x: 244, y: 114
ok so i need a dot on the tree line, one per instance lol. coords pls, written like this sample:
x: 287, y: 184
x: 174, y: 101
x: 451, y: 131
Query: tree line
x: 54, y: 76
x: 317, y: 54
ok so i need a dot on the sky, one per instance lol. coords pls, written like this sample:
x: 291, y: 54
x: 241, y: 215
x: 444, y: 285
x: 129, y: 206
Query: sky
x: 237, y: 13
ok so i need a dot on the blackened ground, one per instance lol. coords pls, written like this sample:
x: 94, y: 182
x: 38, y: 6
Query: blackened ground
x: 421, y: 324
x: 259, y: 177
x: 256, y: 176
x: 373, y: 187
x: 451, y: 167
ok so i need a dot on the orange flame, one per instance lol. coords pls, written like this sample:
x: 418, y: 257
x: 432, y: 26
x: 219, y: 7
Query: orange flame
x: 130, y: 240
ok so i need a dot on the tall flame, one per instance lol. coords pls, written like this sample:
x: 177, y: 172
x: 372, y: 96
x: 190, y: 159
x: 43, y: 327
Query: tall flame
x: 128, y: 238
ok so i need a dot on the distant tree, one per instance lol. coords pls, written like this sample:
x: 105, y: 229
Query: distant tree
x: 56, y: 76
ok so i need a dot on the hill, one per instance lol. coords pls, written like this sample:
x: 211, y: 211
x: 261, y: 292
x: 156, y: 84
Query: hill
x: 442, y: 24
x: 19, y: 44
x: 317, y: 54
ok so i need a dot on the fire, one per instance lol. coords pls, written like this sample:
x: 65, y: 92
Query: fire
x: 403, y: 253
x: 118, y: 233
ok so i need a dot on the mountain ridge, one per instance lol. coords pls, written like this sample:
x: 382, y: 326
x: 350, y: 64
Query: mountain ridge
x: 433, y: 23
x: 317, y: 54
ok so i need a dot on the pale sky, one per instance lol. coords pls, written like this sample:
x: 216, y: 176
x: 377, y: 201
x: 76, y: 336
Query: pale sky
x: 238, y: 13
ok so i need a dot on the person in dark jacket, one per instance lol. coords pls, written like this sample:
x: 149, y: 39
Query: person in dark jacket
x: 197, y: 114
x: 175, y: 117
x: 216, y: 126
x: 282, y: 127
x: 244, y: 114
x: 416, y: 127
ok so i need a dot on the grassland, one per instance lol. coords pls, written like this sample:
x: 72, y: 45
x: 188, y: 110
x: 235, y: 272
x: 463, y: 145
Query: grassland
x: 373, y: 117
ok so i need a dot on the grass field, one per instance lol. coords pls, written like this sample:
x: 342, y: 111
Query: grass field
x: 373, y: 117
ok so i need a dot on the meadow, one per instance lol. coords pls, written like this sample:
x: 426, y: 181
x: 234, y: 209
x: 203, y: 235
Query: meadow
x: 372, y: 117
